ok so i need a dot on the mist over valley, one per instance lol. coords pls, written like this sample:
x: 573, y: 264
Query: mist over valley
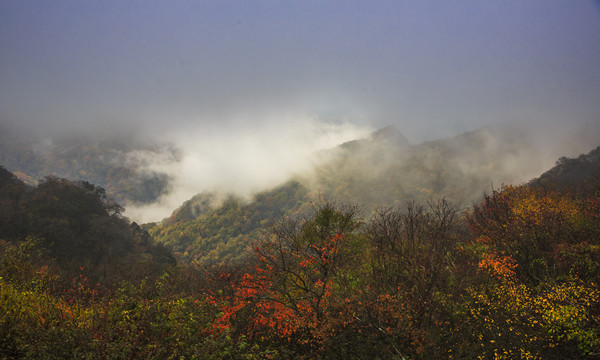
x: 300, y: 179
x: 153, y: 176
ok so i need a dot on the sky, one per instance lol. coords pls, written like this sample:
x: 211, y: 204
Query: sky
x: 431, y: 68
x: 328, y: 71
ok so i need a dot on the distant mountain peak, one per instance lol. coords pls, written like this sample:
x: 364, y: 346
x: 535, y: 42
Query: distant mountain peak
x: 390, y: 134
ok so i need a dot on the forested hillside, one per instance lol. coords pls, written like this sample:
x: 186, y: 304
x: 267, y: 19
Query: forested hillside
x: 569, y: 171
x: 213, y: 229
x: 311, y: 180
x: 364, y: 260
x: 515, y: 277
x: 74, y: 225
x: 380, y: 171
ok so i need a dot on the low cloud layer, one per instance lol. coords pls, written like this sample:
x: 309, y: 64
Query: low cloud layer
x: 242, y: 157
x: 245, y: 156
x: 246, y: 89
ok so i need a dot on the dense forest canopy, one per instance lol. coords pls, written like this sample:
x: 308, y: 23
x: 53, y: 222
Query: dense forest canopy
x: 514, y: 277
x: 76, y: 225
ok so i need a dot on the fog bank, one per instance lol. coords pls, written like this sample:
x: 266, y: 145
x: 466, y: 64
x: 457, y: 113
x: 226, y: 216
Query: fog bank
x: 242, y: 157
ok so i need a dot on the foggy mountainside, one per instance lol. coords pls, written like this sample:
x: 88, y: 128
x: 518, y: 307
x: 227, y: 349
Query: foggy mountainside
x: 212, y: 231
x: 314, y: 180
x: 117, y: 164
x: 382, y: 170
x: 319, y: 280
x: 385, y: 169
x: 570, y: 171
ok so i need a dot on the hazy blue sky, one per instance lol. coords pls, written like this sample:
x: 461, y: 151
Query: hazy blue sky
x: 431, y: 68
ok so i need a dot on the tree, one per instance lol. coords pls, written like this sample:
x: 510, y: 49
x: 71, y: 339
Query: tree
x: 416, y: 260
x: 301, y: 267
x: 524, y: 230
x: 540, y: 254
x: 12, y: 219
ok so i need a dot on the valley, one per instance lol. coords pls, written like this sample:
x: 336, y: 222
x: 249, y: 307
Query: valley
x: 385, y: 249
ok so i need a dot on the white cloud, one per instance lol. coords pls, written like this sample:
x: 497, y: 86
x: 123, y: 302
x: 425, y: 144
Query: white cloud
x: 243, y: 156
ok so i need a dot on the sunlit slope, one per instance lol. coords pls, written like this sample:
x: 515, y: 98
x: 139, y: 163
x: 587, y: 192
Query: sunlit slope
x: 212, y: 230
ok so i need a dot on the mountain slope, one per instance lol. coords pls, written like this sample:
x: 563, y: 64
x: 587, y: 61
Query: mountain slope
x: 572, y: 171
x: 211, y: 233
x: 76, y: 225
x: 117, y: 165
x: 380, y: 171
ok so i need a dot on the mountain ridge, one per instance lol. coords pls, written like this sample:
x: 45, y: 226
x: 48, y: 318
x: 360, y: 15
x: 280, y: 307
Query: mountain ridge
x: 381, y: 170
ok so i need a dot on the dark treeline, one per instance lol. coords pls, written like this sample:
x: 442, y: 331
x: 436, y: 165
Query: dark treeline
x: 75, y: 225
x: 516, y: 277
